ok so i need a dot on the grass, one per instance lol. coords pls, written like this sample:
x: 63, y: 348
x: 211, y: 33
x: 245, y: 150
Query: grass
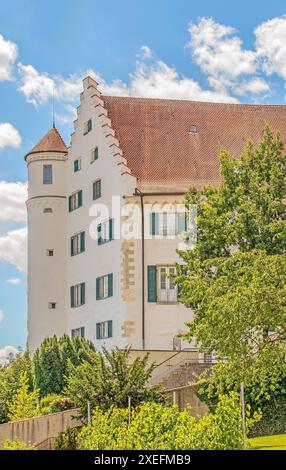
x: 276, y: 442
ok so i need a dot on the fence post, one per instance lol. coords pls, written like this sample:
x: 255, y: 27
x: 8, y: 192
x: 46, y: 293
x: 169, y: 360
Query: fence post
x: 242, y: 402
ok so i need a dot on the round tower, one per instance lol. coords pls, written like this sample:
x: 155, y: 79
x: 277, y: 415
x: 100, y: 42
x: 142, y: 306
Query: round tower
x: 47, y: 214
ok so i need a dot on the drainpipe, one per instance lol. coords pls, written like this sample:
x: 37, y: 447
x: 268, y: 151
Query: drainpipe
x: 138, y: 192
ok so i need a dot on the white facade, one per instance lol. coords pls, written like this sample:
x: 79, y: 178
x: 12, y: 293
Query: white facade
x: 51, y: 279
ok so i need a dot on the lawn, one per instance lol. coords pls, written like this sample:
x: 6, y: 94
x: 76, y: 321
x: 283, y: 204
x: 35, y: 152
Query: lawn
x: 276, y: 442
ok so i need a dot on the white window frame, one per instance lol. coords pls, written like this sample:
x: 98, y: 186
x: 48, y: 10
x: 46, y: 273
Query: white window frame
x: 77, y: 301
x: 103, y: 287
x: 103, y: 330
x: 167, y: 290
x: 76, y: 243
x: 74, y: 201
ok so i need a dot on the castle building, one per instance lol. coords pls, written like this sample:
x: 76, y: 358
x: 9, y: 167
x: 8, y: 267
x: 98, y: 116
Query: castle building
x: 105, y: 215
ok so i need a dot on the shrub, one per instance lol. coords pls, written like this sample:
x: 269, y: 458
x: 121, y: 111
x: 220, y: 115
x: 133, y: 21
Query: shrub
x: 17, y: 445
x: 67, y: 440
x: 155, y: 427
x: 55, y: 403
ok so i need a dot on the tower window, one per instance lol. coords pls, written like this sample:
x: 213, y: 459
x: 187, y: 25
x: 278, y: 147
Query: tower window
x: 47, y: 174
x: 193, y: 129
x: 50, y: 252
x: 47, y: 210
x: 52, y: 305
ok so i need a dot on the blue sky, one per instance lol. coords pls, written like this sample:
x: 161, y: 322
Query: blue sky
x: 211, y: 51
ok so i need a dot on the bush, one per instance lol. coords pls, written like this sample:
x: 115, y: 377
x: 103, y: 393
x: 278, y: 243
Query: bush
x: 273, y: 418
x: 67, y: 440
x: 158, y: 427
x: 54, y: 404
x: 17, y: 445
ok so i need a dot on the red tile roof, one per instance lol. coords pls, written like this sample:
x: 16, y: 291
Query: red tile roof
x: 51, y: 142
x: 161, y: 152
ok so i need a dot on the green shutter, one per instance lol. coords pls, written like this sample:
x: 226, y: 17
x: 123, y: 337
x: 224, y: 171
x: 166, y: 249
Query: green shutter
x: 80, y: 198
x: 110, y: 229
x: 89, y: 125
x: 72, y: 252
x: 82, y: 293
x: 109, y: 328
x: 70, y: 204
x: 152, y: 283
x: 110, y: 285
x: 99, y: 238
x: 82, y: 332
x: 154, y: 223
x: 72, y: 296
x: 98, y: 288
x: 98, y: 331
x: 75, y: 165
x: 95, y: 153
x: 82, y: 242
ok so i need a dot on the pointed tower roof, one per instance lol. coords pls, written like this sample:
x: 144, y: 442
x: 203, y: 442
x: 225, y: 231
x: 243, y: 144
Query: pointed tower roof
x: 51, y: 142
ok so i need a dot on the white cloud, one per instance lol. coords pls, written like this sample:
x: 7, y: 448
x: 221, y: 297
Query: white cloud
x: 219, y: 52
x: 68, y: 117
x: 13, y: 248
x: 8, y: 55
x: 39, y: 87
x: 13, y: 281
x: 1, y: 315
x: 7, y: 353
x: 146, y: 52
x: 271, y: 45
x: 12, y: 201
x: 254, y: 86
x: 9, y: 136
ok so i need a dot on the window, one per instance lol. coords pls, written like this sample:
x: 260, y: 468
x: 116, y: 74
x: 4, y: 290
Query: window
x: 104, y: 287
x: 87, y: 126
x: 48, y: 210
x: 104, y: 329
x: 77, y: 332
x: 47, y: 174
x: 94, y: 154
x: 77, y: 165
x: 50, y: 252
x: 52, y: 305
x: 105, y: 232
x: 193, y: 129
x: 167, y: 291
x: 77, y: 295
x: 96, y: 189
x: 75, y: 201
x: 168, y: 223
x: 161, y: 284
x: 78, y: 243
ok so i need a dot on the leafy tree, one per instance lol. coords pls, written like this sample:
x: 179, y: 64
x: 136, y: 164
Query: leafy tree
x: 17, y: 445
x: 10, y: 380
x: 154, y: 426
x: 234, y: 279
x: 52, y: 358
x: 109, y: 379
x: 24, y: 403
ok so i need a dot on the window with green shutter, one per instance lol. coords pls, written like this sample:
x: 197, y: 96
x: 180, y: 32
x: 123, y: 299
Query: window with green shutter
x: 96, y: 192
x: 75, y: 201
x: 89, y: 125
x: 77, y: 165
x: 105, y: 232
x: 104, y: 287
x: 77, y: 332
x: 77, y: 243
x: 152, y: 283
x: 77, y: 295
x: 167, y: 223
x: 104, y: 329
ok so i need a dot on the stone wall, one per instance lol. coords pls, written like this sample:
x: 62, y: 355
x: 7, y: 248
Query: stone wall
x: 37, y: 430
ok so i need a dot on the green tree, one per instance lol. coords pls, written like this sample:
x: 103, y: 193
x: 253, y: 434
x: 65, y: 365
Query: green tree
x: 51, y: 362
x: 234, y: 279
x: 157, y: 427
x: 24, y: 403
x: 10, y: 379
x: 109, y: 379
